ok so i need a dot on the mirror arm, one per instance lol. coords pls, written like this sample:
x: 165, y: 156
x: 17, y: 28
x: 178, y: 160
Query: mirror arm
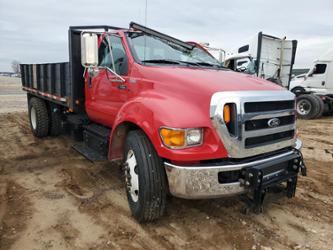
x: 111, y: 54
x: 114, y: 73
x: 112, y: 60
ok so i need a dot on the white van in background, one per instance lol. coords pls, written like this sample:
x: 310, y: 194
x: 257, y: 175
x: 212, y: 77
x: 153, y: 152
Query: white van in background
x: 265, y: 56
x: 315, y: 89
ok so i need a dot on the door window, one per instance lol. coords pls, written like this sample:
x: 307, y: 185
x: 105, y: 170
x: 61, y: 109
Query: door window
x: 319, y: 69
x: 118, y: 52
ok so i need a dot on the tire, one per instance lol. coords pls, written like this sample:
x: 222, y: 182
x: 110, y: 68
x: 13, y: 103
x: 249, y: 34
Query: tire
x: 307, y: 106
x: 321, y: 106
x: 55, y: 128
x: 39, y: 118
x: 146, y: 184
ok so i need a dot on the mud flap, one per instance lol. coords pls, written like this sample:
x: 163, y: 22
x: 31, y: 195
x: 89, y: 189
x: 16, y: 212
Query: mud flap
x: 259, y: 179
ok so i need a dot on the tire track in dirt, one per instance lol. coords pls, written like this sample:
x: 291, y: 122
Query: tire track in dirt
x: 15, y: 210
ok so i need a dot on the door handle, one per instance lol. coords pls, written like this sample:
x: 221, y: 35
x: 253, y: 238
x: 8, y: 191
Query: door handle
x: 122, y: 86
x: 323, y: 83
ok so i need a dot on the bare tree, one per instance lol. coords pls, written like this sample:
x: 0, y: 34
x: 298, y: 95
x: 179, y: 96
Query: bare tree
x: 16, y: 66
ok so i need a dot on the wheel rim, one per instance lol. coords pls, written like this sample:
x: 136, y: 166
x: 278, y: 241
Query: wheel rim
x: 131, y: 175
x: 304, y: 107
x: 33, y: 118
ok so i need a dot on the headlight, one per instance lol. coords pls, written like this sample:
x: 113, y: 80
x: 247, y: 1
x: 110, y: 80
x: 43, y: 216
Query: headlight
x: 193, y: 136
x: 181, y: 138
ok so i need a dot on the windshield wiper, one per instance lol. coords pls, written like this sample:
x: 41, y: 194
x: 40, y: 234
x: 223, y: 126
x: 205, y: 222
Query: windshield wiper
x: 210, y: 64
x: 190, y: 63
x: 169, y: 61
x: 163, y: 61
x: 179, y: 62
x: 201, y: 63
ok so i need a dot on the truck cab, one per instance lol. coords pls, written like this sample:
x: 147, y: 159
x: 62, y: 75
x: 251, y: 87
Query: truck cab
x: 315, y: 88
x: 176, y: 120
x: 319, y: 79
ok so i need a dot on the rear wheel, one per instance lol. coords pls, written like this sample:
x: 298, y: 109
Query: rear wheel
x: 145, y: 178
x: 307, y: 106
x: 55, y: 123
x: 39, y: 118
x: 321, y: 106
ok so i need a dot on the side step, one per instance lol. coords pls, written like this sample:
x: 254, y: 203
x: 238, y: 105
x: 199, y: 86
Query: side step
x: 73, y: 126
x: 95, y: 143
x: 90, y: 154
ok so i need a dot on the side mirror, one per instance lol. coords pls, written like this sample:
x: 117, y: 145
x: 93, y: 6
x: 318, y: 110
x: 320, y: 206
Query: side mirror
x: 89, y: 49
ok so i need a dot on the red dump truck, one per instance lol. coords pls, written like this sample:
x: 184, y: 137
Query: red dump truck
x: 180, y: 122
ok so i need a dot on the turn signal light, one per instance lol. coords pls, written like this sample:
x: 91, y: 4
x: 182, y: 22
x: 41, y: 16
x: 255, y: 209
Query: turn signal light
x: 179, y: 138
x: 227, y: 113
x: 230, y: 117
x: 173, y: 138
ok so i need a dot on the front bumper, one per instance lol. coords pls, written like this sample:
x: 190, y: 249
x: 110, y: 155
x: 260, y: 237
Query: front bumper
x: 201, y: 182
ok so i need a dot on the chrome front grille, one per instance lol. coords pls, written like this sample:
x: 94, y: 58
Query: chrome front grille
x: 255, y: 110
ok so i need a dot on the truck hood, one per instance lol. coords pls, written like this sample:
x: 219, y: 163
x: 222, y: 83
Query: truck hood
x: 204, y: 81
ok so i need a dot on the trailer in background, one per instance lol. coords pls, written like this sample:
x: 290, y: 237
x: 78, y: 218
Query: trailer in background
x: 265, y: 56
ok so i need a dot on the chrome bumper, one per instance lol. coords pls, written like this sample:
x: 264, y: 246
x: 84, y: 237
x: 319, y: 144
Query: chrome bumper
x: 201, y: 182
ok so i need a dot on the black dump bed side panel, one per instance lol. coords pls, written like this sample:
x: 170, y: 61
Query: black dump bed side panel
x: 61, y: 83
x: 50, y: 81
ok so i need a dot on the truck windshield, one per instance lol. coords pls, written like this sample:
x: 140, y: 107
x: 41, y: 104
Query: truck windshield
x: 150, y: 49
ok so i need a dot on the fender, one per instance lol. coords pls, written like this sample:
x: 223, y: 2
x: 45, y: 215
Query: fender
x: 133, y: 115
x: 140, y: 113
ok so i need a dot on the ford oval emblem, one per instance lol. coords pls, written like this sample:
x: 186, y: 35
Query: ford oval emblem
x: 273, y: 123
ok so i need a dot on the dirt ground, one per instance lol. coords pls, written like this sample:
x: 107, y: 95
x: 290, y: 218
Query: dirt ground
x: 52, y: 198
x: 12, y: 98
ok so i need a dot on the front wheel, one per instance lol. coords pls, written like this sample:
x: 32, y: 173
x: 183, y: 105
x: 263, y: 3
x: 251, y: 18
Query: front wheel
x: 145, y: 178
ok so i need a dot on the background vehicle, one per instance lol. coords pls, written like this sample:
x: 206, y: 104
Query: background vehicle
x: 179, y: 121
x: 218, y: 53
x: 315, y: 89
x: 265, y: 56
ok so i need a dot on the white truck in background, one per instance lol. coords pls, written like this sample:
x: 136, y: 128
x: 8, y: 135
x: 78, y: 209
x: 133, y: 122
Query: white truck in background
x: 314, y: 90
x: 218, y: 53
x: 265, y: 56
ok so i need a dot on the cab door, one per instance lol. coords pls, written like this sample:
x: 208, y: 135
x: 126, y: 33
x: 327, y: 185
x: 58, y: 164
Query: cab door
x: 317, y: 78
x: 106, y: 92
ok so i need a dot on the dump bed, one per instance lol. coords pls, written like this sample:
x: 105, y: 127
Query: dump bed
x: 62, y: 82
x: 50, y: 80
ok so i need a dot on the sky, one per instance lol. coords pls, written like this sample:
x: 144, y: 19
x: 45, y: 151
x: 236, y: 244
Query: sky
x: 34, y: 31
